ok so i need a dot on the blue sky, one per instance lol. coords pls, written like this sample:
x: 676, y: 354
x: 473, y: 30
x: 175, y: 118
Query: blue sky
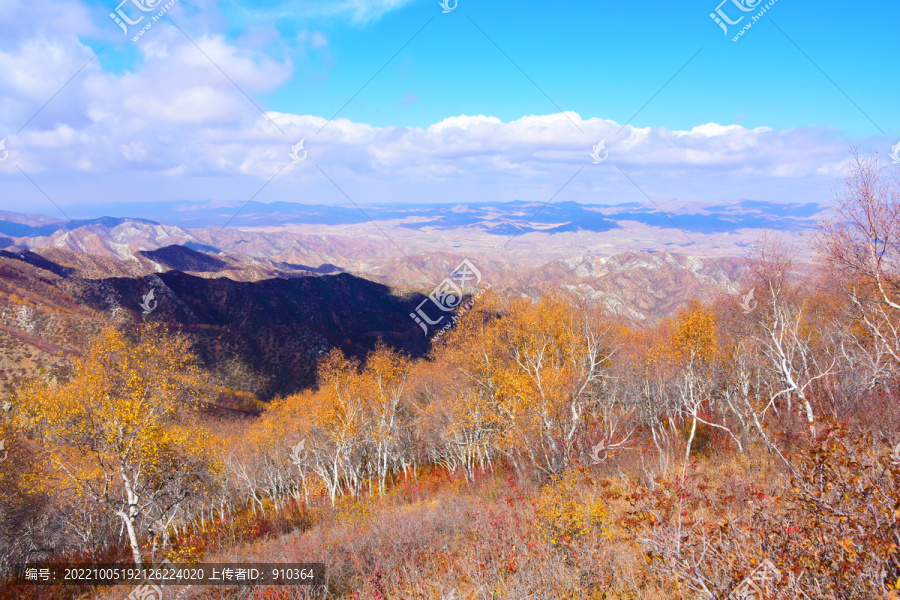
x: 768, y: 117
x: 600, y: 59
x: 606, y: 59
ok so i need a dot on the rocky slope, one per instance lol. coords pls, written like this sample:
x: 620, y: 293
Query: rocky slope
x: 260, y: 337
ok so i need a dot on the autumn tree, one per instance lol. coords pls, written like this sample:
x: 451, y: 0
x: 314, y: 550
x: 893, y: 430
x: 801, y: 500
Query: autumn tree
x: 458, y: 394
x: 799, y: 352
x: 22, y: 502
x: 384, y: 380
x: 861, y: 245
x: 331, y: 423
x: 744, y: 375
x: 695, y: 355
x: 559, y: 363
x: 122, y: 431
x: 644, y: 370
x: 535, y: 370
x: 259, y: 459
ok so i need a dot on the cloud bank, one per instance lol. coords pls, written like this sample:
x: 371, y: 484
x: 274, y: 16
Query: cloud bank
x: 174, y: 114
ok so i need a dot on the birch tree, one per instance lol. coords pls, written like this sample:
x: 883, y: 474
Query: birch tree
x: 861, y: 245
x: 797, y: 352
x: 121, y: 432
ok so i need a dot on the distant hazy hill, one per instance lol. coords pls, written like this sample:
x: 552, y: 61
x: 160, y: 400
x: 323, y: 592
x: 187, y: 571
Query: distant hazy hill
x: 261, y: 303
x: 105, y: 236
x: 360, y: 240
x: 641, y: 286
x: 499, y: 218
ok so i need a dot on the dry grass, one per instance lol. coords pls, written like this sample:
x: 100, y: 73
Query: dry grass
x: 596, y: 533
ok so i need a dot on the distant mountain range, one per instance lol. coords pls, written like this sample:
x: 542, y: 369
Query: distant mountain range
x: 496, y: 218
x: 278, y: 238
x: 263, y: 297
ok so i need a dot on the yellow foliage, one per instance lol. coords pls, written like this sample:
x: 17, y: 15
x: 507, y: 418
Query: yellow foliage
x: 694, y: 337
x: 123, y: 428
x: 562, y: 518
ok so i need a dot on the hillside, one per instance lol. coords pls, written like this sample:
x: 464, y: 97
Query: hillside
x: 259, y: 337
x: 259, y: 325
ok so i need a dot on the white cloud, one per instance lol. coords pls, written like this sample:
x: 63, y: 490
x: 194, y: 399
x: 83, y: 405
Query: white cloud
x: 360, y: 11
x: 22, y: 20
x: 176, y: 115
x: 355, y: 11
x: 206, y: 130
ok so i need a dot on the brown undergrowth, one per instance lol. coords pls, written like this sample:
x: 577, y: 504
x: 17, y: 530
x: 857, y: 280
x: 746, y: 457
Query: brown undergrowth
x: 830, y: 523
